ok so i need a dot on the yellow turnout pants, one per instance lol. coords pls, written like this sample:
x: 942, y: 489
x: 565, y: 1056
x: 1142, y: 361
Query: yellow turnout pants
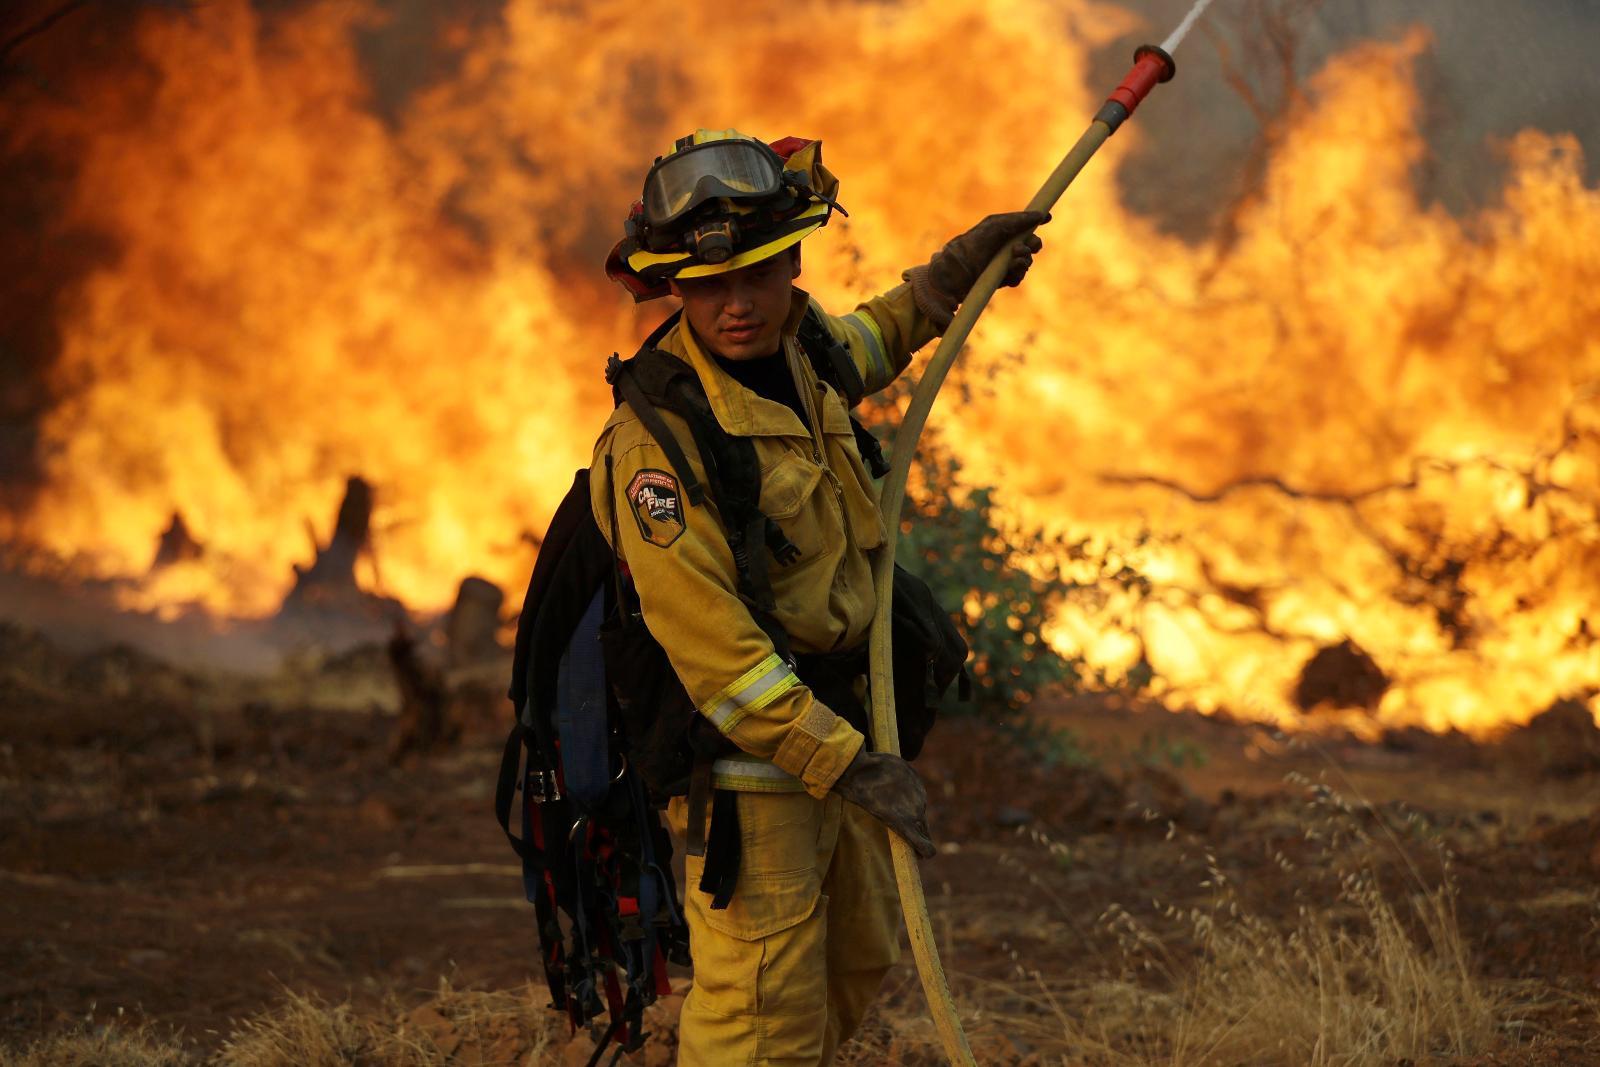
x: 786, y: 972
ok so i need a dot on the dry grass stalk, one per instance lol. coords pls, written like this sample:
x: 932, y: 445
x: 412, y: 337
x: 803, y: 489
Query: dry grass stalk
x: 456, y: 1027
x: 303, y: 1030
x: 1356, y: 981
x: 106, y: 1047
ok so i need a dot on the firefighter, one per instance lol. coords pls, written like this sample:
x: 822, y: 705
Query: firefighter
x: 785, y: 969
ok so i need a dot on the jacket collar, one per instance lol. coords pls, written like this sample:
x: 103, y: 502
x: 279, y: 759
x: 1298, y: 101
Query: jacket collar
x: 740, y: 411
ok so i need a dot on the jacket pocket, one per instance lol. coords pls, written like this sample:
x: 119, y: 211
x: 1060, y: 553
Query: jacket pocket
x: 785, y: 838
x: 788, y: 497
x: 856, y: 491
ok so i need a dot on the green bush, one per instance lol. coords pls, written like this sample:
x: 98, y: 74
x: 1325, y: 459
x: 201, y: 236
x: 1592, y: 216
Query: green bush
x: 1003, y: 581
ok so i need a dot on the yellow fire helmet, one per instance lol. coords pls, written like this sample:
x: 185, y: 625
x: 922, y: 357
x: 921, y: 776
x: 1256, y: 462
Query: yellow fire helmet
x: 720, y: 201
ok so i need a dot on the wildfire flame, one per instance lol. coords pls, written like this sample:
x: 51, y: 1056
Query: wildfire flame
x: 1358, y: 418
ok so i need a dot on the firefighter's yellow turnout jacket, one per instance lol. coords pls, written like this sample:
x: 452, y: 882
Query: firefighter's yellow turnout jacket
x: 815, y: 486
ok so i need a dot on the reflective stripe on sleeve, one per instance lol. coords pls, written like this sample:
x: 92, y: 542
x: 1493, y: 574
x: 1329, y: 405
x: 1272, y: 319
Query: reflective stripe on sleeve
x: 866, y: 328
x: 752, y: 691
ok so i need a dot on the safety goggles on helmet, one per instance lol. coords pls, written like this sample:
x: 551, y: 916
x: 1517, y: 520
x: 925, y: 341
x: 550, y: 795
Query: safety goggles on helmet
x: 732, y: 169
x: 707, y: 212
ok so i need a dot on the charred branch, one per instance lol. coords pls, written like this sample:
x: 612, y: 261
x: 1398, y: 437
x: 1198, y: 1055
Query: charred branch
x: 1431, y: 569
x: 38, y: 26
x: 1263, y: 70
x: 1534, y: 476
x: 56, y: 13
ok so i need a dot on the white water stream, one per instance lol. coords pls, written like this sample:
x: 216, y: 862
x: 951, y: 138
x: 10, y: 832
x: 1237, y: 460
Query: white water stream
x: 1185, y: 26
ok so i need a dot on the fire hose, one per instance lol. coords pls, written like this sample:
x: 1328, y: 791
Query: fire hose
x: 1152, y: 64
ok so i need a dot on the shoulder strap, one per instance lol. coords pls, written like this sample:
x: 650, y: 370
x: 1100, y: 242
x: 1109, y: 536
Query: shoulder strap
x: 653, y: 381
x: 624, y: 379
x: 621, y: 376
x: 830, y: 359
x: 734, y: 474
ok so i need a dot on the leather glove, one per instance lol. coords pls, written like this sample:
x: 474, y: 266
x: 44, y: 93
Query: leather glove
x: 890, y: 791
x: 943, y: 282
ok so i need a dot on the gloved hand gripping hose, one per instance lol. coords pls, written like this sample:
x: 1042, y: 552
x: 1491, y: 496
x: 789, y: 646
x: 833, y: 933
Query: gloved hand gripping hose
x: 1151, y: 65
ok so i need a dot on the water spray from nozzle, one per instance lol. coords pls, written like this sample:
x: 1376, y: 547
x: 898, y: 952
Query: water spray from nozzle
x: 1170, y: 45
x: 1152, y: 65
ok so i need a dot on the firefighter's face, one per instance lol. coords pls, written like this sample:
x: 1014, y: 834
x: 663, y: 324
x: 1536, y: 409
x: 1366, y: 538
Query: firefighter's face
x: 740, y: 314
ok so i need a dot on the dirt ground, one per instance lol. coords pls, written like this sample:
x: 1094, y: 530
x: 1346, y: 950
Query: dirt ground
x: 185, y: 853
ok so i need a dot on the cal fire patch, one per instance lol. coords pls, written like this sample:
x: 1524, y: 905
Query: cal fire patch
x: 657, y: 505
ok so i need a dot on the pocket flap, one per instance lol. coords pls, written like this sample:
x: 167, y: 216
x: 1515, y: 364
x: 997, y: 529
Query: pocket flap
x: 786, y: 838
x: 787, y: 485
x: 766, y: 904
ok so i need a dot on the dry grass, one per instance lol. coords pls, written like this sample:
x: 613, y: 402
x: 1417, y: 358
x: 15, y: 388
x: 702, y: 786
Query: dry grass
x: 1357, y: 977
x: 305, y: 1031
x: 1336, y: 990
x: 1349, y: 985
x: 108, y: 1047
x: 454, y: 1027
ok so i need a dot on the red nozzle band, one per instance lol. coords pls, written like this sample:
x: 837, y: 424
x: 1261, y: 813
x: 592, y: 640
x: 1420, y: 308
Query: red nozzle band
x: 1150, y: 66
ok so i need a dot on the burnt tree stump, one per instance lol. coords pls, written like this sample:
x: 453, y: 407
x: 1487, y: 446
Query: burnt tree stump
x: 332, y: 575
x: 325, y: 601
x: 473, y: 625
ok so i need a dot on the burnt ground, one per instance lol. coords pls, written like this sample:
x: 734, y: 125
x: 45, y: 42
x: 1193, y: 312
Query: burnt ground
x: 183, y: 853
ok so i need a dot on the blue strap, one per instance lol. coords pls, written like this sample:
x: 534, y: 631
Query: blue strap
x: 581, y: 713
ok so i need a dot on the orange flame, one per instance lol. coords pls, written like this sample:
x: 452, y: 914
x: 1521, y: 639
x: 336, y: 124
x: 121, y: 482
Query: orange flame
x: 1361, y: 418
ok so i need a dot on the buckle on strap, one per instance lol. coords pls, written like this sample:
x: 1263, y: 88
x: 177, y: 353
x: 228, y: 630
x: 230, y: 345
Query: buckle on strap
x: 541, y: 786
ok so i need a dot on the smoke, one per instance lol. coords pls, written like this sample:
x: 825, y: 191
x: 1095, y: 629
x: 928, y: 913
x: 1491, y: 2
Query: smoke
x: 418, y: 43
x: 1491, y: 71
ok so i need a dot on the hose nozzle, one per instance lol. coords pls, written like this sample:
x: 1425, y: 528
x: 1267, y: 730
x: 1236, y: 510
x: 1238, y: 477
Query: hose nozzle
x: 1151, y: 65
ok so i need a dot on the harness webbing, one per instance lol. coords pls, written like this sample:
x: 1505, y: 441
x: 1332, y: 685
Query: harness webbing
x: 654, y: 379
x: 618, y: 374
x: 830, y: 358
